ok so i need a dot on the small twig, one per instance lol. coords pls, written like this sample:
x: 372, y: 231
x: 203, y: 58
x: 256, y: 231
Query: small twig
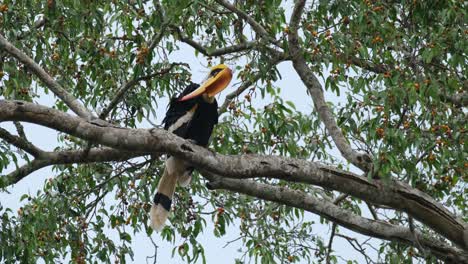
x: 232, y: 241
x: 357, y: 246
x: 155, y: 256
x: 245, y: 85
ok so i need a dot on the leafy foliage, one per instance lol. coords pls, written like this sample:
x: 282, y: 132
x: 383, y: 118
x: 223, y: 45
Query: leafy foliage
x: 400, y: 68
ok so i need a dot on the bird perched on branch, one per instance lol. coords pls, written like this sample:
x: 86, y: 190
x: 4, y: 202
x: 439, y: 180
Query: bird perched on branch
x: 192, y: 115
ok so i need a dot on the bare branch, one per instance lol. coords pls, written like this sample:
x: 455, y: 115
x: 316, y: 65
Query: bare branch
x: 54, y: 86
x: 336, y: 214
x: 216, y: 52
x: 340, y: 198
x: 69, y: 157
x: 157, y: 38
x: 393, y: 193
x: 357, y: 246
x: 20, y: 143
x: 372, y: 211
x: 330, y: 243
x: 314, y: 87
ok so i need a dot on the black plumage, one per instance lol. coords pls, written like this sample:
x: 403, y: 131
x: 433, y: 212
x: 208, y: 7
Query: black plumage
x: 197, y: 125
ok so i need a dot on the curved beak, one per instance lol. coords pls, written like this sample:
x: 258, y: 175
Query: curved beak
x: 213, y: 85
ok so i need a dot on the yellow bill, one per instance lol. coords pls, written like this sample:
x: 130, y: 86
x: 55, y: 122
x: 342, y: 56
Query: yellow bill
x: 218, y: 79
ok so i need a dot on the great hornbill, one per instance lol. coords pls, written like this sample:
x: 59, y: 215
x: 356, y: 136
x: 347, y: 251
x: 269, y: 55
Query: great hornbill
x: 192, y: 115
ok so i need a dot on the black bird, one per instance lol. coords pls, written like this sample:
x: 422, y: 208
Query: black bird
x: 192, y: 115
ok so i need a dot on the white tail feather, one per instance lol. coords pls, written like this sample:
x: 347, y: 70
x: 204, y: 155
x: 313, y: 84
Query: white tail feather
x: 167, y: 183
x: 158, y: 217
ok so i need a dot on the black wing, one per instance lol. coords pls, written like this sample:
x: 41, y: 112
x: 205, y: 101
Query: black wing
x: 177, y: 109
x: 203, y: 121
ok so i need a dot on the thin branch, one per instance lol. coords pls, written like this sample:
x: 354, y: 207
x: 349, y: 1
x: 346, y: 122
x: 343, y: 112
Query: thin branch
x: 259, y: 29
x: 357, y: 246
x: 158, y: 37
x: 245, y: 85
x: 415, y: 234
x: 216, y: 52
x: 130, y: 84
x: 340, y: 198
x: 330, y: 242
x: 337, y: 201
x: 155, y: 256
x: 54, y: 86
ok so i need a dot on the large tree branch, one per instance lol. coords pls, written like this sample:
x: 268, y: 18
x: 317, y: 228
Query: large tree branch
x: 395, y: 194
x: 314, y: 87
x: 20, y: 143
x: 54, y: 86
x: 68, y: 157
x: 338, y: 215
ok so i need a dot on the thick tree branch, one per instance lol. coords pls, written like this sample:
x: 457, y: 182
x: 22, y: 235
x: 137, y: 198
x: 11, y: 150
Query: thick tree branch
x: 338, y: 215
x: 396, y: 194
x: 23, y: 171
x: 54, y: 86
x: 306, y: 74
x: 295, y: 18
x: 20, y: 143
x: 69, y: 157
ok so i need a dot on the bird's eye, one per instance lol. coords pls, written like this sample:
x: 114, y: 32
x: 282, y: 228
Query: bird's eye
x: 214, y: 72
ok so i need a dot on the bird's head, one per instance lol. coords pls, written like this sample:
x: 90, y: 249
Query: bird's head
x: 216, y: 81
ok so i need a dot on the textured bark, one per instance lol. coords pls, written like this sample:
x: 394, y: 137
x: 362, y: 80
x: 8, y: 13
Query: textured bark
x: 332, y: 212
x: 395, y: 194
x: 68, y: 157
